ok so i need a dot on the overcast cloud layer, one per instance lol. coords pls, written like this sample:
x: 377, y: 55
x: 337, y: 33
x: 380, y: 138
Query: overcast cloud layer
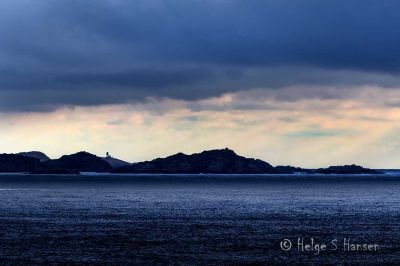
x: 55, y: 53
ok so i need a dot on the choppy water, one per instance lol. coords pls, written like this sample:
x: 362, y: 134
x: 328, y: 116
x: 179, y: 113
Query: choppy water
x: 196, y: 219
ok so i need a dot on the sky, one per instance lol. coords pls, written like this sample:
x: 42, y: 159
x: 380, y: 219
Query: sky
x: 309, y: 83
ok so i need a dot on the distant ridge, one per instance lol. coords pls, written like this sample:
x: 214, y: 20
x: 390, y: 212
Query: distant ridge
x: 114, y: 162
x: 220, y: 161
x: 74, y: 164
x: 223, y: 161
x: 347, y: 169
x: 35, y: 154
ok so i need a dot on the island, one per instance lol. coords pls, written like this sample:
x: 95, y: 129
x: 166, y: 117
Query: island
x: 346, y: 169
x: 218, y: 161
x: 223, y: 161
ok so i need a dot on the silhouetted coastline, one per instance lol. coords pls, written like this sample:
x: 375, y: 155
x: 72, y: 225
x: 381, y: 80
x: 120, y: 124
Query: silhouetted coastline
x: 220, y: 161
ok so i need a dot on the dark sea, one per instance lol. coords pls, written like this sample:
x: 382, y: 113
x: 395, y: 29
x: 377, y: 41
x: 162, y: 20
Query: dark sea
x: 199, y: 219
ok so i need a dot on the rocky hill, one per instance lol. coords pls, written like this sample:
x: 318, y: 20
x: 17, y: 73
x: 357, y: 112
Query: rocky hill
x: 223, y: 161
x: 35, y: 154
x: 75, y: 163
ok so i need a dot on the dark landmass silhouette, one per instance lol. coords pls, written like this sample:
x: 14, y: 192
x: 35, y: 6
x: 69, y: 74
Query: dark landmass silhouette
x: 114, y: 162
x: 280, y: 169
x: 74, y: 164
x: 18, y: 163
x: 222, y: 161
x: 346, y: 169
x: 213, y: 162
x: 35, y: 154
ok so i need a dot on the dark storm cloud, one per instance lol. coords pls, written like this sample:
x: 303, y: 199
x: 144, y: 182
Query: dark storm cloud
x: 55, y: 53
x: 154, y: 79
